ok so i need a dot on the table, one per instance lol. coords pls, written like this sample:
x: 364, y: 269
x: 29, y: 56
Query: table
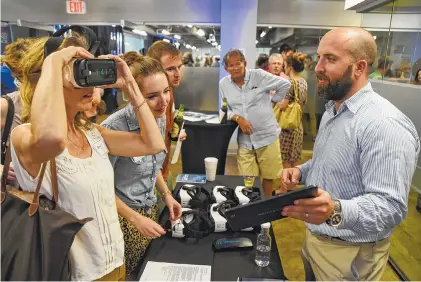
x: 205, y: 140
x: 227, y: 266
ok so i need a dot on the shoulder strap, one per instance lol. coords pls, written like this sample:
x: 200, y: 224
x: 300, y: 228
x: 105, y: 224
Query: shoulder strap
x: 295, y: 89
x: 7, y: 127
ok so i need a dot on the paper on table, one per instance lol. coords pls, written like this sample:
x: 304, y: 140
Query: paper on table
x: 214, y: 120
x: 162, y: 271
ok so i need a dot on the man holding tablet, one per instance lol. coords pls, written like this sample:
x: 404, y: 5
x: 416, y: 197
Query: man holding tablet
x: 363, y: 162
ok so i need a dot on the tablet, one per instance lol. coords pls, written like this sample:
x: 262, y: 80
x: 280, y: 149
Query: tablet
x: 256, y: 213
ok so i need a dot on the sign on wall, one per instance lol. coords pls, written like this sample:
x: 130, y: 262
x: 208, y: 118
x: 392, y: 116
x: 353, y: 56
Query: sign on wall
x: 76, y: 7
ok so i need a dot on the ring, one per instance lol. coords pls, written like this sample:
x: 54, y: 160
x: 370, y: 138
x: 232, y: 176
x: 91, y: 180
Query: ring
x: 306, y: 214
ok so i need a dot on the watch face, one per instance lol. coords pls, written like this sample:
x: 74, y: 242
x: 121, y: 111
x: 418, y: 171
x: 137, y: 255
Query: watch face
x: 336, y: 219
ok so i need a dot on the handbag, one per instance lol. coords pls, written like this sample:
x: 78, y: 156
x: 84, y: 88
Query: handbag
x: 7, y: 127
x: 36, y: 235
x: 290, y: 117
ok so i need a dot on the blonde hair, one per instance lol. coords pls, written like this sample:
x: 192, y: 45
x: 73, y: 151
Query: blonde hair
x: 13, y: 54
x: 142, y: 66
x: 275, y: 56
x: 31, y: 66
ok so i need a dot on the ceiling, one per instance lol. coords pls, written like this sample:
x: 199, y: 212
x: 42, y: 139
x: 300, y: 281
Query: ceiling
x: 188, y: 34
x: 401, y: 7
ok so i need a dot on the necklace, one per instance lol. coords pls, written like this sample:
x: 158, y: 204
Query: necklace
x: 83, y: 144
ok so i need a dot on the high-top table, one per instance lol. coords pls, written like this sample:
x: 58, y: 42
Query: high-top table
x: 226, y: 266
x: 205, y: 140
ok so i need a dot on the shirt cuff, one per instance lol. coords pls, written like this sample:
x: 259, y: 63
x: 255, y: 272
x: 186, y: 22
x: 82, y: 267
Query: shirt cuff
x: 303, y: 173
x: 349, y: 211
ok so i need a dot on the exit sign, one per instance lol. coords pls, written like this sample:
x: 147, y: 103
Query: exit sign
x: 76, y: 7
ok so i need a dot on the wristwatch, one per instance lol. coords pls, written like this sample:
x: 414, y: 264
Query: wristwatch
x: 336, y: 218
x: 236, y: 118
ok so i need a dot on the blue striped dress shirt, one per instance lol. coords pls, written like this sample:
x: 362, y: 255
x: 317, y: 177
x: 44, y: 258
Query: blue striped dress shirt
x: 365, y: 156
x: 252, y: 102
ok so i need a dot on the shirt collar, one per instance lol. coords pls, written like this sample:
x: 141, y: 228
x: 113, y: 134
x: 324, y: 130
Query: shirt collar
x: 353, y: 103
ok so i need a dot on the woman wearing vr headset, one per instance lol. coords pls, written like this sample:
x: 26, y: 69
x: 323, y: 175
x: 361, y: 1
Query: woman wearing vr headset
x: 136, y: 177
x: 55, y: 128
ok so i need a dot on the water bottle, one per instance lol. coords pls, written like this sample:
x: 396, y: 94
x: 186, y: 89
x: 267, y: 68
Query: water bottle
x: 263, y: 246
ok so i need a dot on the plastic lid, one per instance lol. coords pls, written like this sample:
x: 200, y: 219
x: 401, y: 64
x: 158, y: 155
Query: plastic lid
x: 265, y: 225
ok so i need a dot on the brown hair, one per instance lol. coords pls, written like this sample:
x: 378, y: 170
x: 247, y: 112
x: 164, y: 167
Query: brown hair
x: 13, y: 54
x: 161, y: 48
x: 31, y: 66
x: 233, y: 52
x: 142, y: 66
x: 296, y: 61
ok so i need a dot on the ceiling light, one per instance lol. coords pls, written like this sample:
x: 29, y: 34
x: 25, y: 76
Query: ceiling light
x: 188, y: 46
x: 177, y: 36
x: 211, y: 34
x: 374, y: 37
x: 270, y: 26
x: 263, y: 34
x: 209, y: 41
x: 193, y: 47
x: 113, y: 25
x: 140, y: 32
x: 215, y: 44
x: 166, y: 40
x: 189, y: 25
x: 177, y: 44
x: 257, y: 41
x: 165, y: 32
x: 200, y: 32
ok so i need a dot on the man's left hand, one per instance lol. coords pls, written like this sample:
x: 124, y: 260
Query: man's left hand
x: 173, y: 206
x: 316, y: 210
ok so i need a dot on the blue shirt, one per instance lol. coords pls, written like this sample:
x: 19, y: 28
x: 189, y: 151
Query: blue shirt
x: 252, y: 102
x: 365, y: 156
x: 135, y: 177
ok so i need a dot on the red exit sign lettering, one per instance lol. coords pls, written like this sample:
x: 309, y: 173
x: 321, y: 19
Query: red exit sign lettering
x: 76, y: 7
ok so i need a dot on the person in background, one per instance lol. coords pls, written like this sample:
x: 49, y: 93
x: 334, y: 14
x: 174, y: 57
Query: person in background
x: 262, y: 62
x: 188, y: 59
x: 383, y: 65
x: 309, y: 117
x: 285, y: 50
x: 54, y: 127
x: 247, y: 93
x: 276, y: 65
x: 170, y: 58
x: 292, y: 140
x: 417, y: 78
x: 215, y: 63
x: 12, y: 58
x: 136, y: 177
x: 363, y: 162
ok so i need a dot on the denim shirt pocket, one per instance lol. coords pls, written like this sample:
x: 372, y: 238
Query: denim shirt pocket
x: 143, y: 172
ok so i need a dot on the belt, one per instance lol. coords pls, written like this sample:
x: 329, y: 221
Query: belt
x: 332, y: 238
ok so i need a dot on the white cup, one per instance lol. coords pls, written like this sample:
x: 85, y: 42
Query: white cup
x: 210, y: 167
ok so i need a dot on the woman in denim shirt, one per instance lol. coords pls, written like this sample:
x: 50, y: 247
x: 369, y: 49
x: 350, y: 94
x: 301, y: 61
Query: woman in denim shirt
x: 136, y: 177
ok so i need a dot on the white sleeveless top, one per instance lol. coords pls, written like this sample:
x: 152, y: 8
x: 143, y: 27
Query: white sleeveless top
x: 86, y: 189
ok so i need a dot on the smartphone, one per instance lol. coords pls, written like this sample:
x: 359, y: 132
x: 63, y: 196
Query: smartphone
x: 91, y: 72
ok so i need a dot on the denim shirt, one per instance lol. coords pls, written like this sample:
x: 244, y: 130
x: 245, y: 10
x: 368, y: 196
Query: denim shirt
x: 135, y: 177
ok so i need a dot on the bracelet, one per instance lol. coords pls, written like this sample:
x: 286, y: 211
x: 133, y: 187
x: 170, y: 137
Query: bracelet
x: 135, y: 108
x: 236, y: 118
x: 165, y: 193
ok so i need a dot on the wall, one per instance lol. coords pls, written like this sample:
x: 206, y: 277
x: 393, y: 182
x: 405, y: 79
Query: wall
x: 407, y: 98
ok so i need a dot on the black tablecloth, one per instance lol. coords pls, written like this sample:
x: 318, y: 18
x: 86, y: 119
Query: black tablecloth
x: 206, y: 140
x: 226, y: 266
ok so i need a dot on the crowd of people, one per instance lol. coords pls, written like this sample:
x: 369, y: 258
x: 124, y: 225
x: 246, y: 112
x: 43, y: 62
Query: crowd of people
x: 363, y: 162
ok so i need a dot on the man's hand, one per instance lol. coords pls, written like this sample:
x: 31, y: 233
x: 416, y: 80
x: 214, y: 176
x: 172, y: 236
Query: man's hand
x: 290, y: 178
x: 316, y: 210
x: 173, y: 206
x: 245, y: 126
x: 147, y: 227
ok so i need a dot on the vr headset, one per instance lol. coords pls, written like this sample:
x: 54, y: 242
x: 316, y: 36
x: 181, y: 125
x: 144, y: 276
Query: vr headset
x: 246, y: 195
x: 217, y: 216
x: 84, y: 72
x: 192, y: 224
x: 192, y: 196
x: 222, y: 193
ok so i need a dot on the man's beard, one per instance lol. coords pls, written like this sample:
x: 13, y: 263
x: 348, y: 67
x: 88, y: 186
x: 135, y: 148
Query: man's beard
x: 338, y: 90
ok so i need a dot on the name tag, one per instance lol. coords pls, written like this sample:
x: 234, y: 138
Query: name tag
x: 100, y: 147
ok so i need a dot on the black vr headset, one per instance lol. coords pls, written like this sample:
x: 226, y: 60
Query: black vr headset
x: 55, y: 41
x: 192, y: 224
x: 192, y: 196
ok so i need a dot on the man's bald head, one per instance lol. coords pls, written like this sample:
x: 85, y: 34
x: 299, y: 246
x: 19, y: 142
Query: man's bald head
x: 357, y: 41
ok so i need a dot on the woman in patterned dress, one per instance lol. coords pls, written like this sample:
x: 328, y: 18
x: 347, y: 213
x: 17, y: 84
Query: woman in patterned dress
x: 292, y: 140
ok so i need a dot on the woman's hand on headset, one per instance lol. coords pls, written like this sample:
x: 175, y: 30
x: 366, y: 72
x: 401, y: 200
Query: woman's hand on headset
x: 65, y: 55
x: 148, y: 227
x: 124, y: 75
x: 173, y: 206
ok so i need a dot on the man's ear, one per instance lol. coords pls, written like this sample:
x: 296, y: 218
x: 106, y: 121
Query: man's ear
x: 361, y: 67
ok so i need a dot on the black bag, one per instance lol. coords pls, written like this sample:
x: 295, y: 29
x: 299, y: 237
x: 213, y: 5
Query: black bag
x: 7, y: 127
x: 36, y: 234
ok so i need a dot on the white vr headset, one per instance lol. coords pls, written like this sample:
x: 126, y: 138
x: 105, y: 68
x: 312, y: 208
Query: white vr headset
x: 217, y: 216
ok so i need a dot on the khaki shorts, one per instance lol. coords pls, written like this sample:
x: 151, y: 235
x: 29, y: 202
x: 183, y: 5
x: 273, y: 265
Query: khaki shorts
x: 265, y: 162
